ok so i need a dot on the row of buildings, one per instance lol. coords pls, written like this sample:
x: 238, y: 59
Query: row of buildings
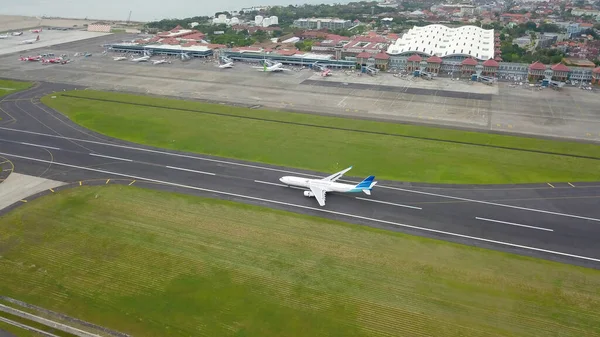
x: 436, y: 49
x: 259, y: 20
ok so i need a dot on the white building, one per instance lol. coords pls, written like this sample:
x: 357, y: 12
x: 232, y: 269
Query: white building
x: 319, y: 23
x: 261, y: 21
x: 439, y: 40
x: 222, y: 19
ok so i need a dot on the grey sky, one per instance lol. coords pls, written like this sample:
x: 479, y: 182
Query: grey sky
x: 144, y: 10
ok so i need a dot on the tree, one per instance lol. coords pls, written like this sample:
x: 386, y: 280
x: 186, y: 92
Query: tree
x: 260, y: 35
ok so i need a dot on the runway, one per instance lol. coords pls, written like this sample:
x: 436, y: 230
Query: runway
x: 559, y: 222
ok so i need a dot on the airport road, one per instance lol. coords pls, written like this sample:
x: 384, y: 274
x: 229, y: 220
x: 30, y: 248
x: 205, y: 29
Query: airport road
x: 560, y: 223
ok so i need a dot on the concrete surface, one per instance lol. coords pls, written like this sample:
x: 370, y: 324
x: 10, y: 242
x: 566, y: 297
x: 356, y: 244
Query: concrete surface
x: 19, y: 186
x: 48, y: 38
x: 569, y: 113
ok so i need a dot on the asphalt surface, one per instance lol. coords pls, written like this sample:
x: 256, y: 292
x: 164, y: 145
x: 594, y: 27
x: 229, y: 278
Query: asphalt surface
x: 560, y: 223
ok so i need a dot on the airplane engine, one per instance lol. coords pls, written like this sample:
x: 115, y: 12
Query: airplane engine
x: 308, y: 194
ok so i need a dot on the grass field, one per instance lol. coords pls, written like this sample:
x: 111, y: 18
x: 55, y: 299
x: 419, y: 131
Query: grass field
x: 158, y: 264
x: 309, y: 147
x: 8, y: 87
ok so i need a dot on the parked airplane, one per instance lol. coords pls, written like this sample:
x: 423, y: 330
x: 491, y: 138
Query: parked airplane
x: 119, y: 58
x: 5, y: 36
x: 30, y: 58
x: 155, y: 62
x: 326, y: 72
x: 17, y: 33
x: 36, y: 30
x: 226, y: 65
x: 31, y: 41
x: 272, y: 68
x: 319, y: 187
x: 55, y: 60
x: 140, y: 59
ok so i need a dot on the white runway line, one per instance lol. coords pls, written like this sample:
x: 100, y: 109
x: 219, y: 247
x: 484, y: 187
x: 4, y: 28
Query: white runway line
x: 276, y: 184
x: 268, y: 183
x: 292, y: 172
x: 189, y: 170
x: 508, y: 244
x: 515, y: 224
x: 387, y: 203
x: 110, y: 157
x: 492, y: 203
x: 42, y: 146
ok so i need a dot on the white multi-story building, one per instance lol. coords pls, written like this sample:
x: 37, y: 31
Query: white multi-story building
x: 439, y: 40
x: 318, y: 23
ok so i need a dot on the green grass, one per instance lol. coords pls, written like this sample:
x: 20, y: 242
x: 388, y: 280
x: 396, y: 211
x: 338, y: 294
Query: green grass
x: 158, y: 264
x: 8, y: 87
x: 388, y: 157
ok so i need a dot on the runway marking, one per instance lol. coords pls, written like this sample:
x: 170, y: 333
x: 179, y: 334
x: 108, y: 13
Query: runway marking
x: 80, y: 183
x: 387, y: 203
x: 188, y: 170
x: 107, y: 180
x: 571, y: 185
x: 292, y: 172
x: 23, y: 200
x: 131, y: 183
x: 515, y: 224
x: 493, y: 203
x: 43, y: 146
x: 51, y: 190
x: 550, y: 185
x: 110, y: 157
x: 282, y: 185
x: 268, y: 183
x: 312, y: 209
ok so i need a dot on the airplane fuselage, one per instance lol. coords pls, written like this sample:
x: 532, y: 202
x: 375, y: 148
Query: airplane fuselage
x: 325, y: 185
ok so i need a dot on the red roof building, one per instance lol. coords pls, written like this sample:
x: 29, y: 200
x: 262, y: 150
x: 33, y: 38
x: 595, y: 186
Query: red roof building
x: 382, y: 56
x: 469, y: 62
x: 363, y: 55
x: 560, y: 67
x: 491, y: 63
x: 434, y: 59
x: 414, y: 58
x: 596, y: 71
x: 537, y: 65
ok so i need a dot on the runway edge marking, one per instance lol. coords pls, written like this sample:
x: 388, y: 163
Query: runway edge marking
x: 292, y: 172
x: 313, y: 209
x: 514, y: 224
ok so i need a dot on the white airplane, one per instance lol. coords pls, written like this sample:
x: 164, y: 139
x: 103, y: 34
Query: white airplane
x: 140, y: 59
x: 5, y: 36
x: 36, y: 30
x: 319, y: 187
x: 155, y: 62
x: 272, y: 68
x: 31, y: 41
x: 226, y: 65
x: 17, y: 33
x: 119, y: 58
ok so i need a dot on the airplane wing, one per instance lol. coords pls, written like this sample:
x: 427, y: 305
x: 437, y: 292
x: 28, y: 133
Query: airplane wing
x: 337, y: 175
x: 319, y: 194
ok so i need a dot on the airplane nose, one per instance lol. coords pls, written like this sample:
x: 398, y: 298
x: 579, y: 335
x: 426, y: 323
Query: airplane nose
x: 283, y: 180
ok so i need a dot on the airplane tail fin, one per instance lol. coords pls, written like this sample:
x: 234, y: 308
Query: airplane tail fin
x: 367, y: 184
